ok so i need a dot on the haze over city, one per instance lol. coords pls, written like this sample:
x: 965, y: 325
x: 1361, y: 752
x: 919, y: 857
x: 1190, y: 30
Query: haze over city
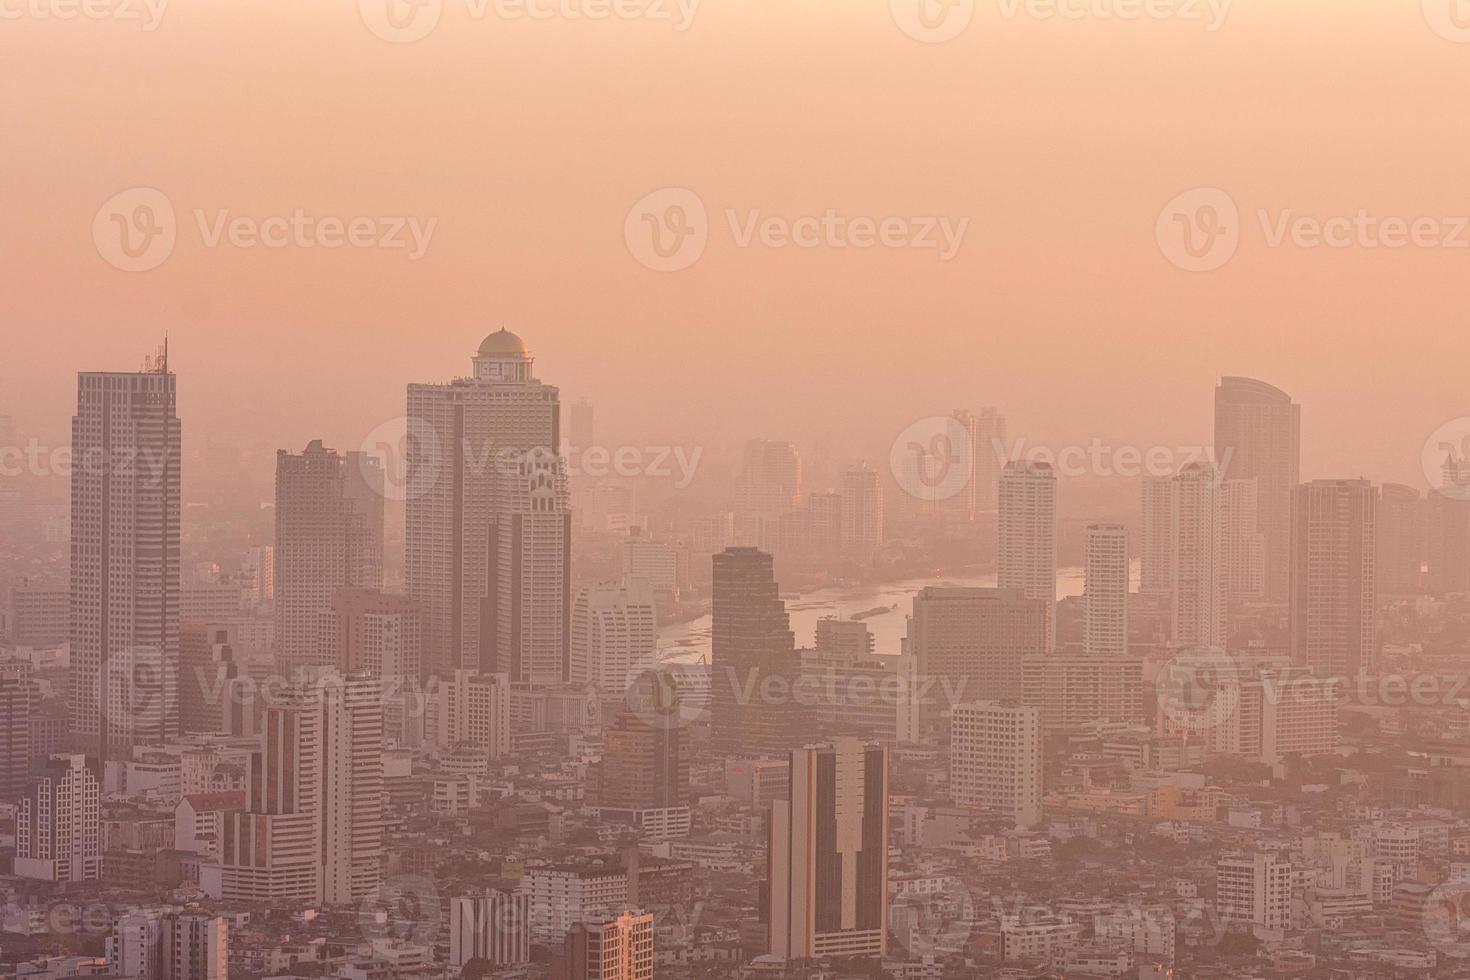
x: 701, y: 489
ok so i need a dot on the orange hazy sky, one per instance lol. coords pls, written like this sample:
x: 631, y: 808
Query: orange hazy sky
x: 529, y: 140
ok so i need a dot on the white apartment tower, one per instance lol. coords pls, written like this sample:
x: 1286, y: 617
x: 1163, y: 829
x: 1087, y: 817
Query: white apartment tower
x: 1027, y: 541
x: 1105, y: 600
x: 494, y: 926
x: 614, y: 636
x: 472, y: 709
x: 312, y: 828
x: 1199, y: 567
x: 460, y: 435
x: 124, y: 589
x: 58, y: 823
x: 995, y: 759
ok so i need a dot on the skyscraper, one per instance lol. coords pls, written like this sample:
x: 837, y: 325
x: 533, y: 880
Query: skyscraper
x: 329, y: 536
x: 58, y: 824
x: 1105, y: 602
x: 460, y: 434
x: 1334, y: 599
x: 770, y: 478
x: 1258, y: 437
x: 1402, y: 550
x: 751, y: 641
x: 828, y: 854
x: 383, y: 636
x: 862, y: 510
x: 1027, y: 540
x: 125, y: 441
x: 614, y: 635
x: 973, y: 641
x: 525, y: 620
x: 18, y: 701
x: 995, y: 759
x: 312, y: 828
x: 646, y: 762
x: 1245, y: 546
x: 986, y: 431
x: 1156, y: 560
x: 1198, y: 555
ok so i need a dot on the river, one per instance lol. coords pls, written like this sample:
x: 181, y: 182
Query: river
x: 688, y: 642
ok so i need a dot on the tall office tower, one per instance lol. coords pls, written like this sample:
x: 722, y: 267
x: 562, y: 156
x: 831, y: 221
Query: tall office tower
x: 1156, y: 560
x: 329, y: 536
x: 258, y: 574
x: 124, y: 543
x: 862, y: 510
x: 494, y: 926
x: 1105, y: 600
x: 460, y: 434
x: 770, y: 478
x: 619, y: 948
x: 1255, y: 888
x: 19, y: 701
x: 1199, y: 568
x: 1447, y: 547
x: 985, y: 432
x: 1402, y: 551
x: 472, y: 709
x: 526, y: 615
x: 580, y: 428
x: 1334, y: 598
x: 209, y: 668
x: 1245, y: 546
x: 656, y: 561
x: 614, y: 636
x: 824, y: 521
x: 843, y: 638
x: 1258, y: 437
x: 973, y: 641
x: 828, y: 854
x: 995, y: 759
x: 1027, y: 543
x: 645, y: 765
x: 991, y: 454
x: 58, y: 825
x: 381, y: 635
x: 312, y: 828
x: 751, y: 640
